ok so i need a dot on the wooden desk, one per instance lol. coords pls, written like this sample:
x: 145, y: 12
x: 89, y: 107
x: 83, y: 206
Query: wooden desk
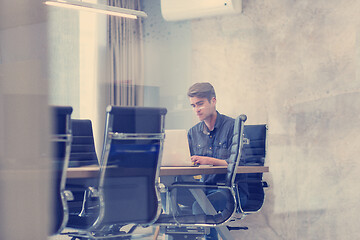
x: 174, y: 171
x: 93, y: 171
x: 83, y: 172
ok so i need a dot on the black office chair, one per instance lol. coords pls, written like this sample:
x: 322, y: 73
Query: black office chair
x: 254, y: 155
x: 210, y: 217
x: 84, y: 204
x: 61, y: 140
x: 129, y: 172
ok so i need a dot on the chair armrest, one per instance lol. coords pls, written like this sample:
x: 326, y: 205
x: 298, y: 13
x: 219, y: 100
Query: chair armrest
x: 93, y: 192
x: 68, y: 195
x: 90, y: 192
x: 162, y: 188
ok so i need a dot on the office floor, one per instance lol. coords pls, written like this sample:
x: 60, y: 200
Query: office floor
x: 139, y: 230
x: 236, y: 234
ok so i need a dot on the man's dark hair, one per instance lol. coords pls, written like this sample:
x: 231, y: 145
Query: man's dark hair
x: 202, y: 90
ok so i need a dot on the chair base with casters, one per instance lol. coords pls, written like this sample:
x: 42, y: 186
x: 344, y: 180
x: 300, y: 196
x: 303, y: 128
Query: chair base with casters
x: 188, y: 233
x: 109, y: 232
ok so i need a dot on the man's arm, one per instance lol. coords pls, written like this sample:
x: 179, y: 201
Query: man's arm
x: 202, y: 160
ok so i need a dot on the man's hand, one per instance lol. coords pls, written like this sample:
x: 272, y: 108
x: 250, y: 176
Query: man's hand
x: 202, y: 160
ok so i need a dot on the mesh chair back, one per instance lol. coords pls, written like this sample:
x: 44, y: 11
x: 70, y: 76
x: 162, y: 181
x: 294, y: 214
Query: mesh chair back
x: 61, y: 135
x: 130, y: 164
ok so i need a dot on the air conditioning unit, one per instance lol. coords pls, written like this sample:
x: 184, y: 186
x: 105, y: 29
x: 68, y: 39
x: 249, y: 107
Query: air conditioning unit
x: 175, y: 10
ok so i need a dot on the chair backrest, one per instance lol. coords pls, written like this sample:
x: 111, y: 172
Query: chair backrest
x: 255, y: 151
x: 233, y: 163
x: 130, y: 165
x: 82, y: 147
x: 254, y: 155
x: 61, y: 139
x: 236, y: 149
x: 82, y: 153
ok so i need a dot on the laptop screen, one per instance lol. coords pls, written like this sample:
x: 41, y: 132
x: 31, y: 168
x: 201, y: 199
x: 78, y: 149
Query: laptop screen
x: 176, y: 148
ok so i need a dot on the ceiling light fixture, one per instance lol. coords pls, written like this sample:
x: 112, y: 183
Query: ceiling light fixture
x: 97, y: 8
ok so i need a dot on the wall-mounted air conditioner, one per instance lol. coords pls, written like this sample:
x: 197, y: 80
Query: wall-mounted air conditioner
x: 174, y: 10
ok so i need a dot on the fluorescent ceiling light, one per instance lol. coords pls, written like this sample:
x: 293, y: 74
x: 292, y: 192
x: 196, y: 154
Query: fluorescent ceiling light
x: 97, y: 8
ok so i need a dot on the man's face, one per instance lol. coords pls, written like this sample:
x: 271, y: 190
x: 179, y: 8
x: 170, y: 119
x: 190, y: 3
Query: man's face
x: 203, y: 108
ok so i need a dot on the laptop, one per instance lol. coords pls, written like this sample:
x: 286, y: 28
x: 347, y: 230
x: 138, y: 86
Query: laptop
x: 176, y: 151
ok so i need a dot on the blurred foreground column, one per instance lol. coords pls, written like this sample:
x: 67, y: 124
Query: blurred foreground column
x: 24, y: 121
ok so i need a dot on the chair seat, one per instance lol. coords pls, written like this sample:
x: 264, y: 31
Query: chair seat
x: 188, y: 218
x: 253, y: 205
x: 75, y: 221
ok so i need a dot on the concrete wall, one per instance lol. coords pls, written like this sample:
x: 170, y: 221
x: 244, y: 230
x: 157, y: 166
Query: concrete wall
x: 293, y: 65
x: 168, y: 63
x: 64, y: 61
x: 77, y: 65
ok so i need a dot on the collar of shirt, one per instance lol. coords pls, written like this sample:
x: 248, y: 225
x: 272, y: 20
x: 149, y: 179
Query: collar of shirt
x: 204, y: 128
